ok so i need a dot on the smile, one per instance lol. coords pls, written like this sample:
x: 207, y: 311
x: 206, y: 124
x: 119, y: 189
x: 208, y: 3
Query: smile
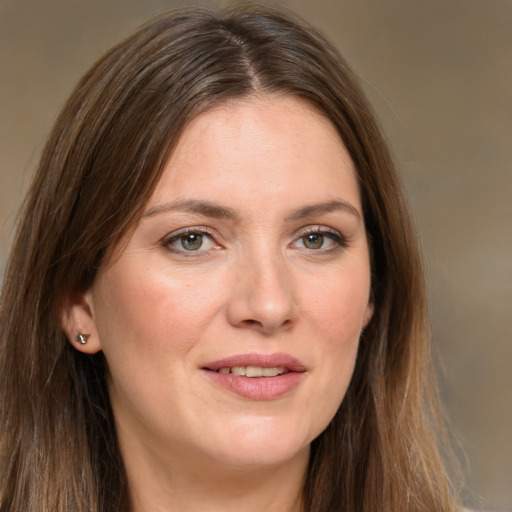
x: 257, y: 376
x: 254, y: 371
x: 256, y: 365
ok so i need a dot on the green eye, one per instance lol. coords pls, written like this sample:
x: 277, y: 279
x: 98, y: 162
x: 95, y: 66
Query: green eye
x: 191, y: 241
x: 320, y: 240
x: 313, y: 241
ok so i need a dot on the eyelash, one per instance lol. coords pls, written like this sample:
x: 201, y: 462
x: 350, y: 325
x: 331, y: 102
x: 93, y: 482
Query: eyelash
x: 339, y: 241
x: 202, y: 231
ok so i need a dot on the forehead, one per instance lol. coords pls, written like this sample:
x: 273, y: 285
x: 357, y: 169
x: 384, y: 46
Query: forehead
x: 272, y: 146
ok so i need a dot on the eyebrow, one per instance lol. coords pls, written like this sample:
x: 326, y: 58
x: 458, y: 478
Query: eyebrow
x: 209, y: 209
x: 322, y: 208
x: 205, y: 208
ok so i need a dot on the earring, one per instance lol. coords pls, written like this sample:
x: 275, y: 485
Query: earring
x: 81, y: 338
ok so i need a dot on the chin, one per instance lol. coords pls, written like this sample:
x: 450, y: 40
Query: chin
x: 263, y: 445
x: 251, y: 458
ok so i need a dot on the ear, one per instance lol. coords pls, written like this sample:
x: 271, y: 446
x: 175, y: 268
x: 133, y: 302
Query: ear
x: 77, y: 317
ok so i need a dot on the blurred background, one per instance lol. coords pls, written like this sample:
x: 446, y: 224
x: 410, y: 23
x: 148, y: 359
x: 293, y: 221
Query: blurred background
x: 439, y: 73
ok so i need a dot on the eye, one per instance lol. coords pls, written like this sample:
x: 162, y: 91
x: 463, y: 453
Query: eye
x: 313, y: 241
x: 190, y: 240
x: 320, y: 239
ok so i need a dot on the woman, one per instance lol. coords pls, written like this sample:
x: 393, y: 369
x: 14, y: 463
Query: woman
x: 215, y: 299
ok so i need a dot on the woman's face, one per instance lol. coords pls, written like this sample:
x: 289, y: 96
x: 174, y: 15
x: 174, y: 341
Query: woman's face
x: 231, y: 319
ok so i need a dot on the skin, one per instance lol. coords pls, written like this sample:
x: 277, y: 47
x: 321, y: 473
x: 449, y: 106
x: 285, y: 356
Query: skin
x: 257, y: 282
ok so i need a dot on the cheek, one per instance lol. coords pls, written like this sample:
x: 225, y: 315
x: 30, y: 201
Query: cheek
x: 340, y: 305
x: 151, y: 311
x: 338, y: 315
x: 149, y: 324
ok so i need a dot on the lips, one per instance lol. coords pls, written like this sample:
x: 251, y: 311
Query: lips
x: 257, y: 376
x: 277, y: 360
x: 254, y: 371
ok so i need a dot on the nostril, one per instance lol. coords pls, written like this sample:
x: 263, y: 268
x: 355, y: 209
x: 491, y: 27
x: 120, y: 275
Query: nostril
x: 266, y: 327
x: 250, y: 323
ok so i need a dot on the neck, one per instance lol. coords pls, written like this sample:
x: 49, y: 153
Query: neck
x: 164, y: 483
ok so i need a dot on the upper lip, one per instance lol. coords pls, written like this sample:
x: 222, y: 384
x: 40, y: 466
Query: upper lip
x: 278, y: 359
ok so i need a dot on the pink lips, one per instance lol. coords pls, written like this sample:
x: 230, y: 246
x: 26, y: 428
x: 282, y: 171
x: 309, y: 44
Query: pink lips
x: 258, y: 388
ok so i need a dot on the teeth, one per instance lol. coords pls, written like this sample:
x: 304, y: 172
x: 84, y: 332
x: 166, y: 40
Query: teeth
x: 269, y: 372
x: 254, y: 371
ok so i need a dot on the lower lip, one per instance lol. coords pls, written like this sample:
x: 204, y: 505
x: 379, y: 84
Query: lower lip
x: 258, y: 388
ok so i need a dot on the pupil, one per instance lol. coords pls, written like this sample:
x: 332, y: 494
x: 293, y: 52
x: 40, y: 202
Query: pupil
x: 314, y: 241
x: 192, y: 241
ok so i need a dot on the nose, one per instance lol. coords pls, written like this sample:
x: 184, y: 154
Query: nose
x: 263, y: 297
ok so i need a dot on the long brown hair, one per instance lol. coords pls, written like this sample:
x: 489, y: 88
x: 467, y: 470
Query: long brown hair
x: 58, y: 443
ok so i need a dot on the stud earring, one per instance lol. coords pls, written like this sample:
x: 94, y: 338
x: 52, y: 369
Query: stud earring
x: 81, y: 338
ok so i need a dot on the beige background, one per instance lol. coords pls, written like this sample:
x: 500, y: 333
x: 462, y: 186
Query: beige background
x: 440, y: 76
